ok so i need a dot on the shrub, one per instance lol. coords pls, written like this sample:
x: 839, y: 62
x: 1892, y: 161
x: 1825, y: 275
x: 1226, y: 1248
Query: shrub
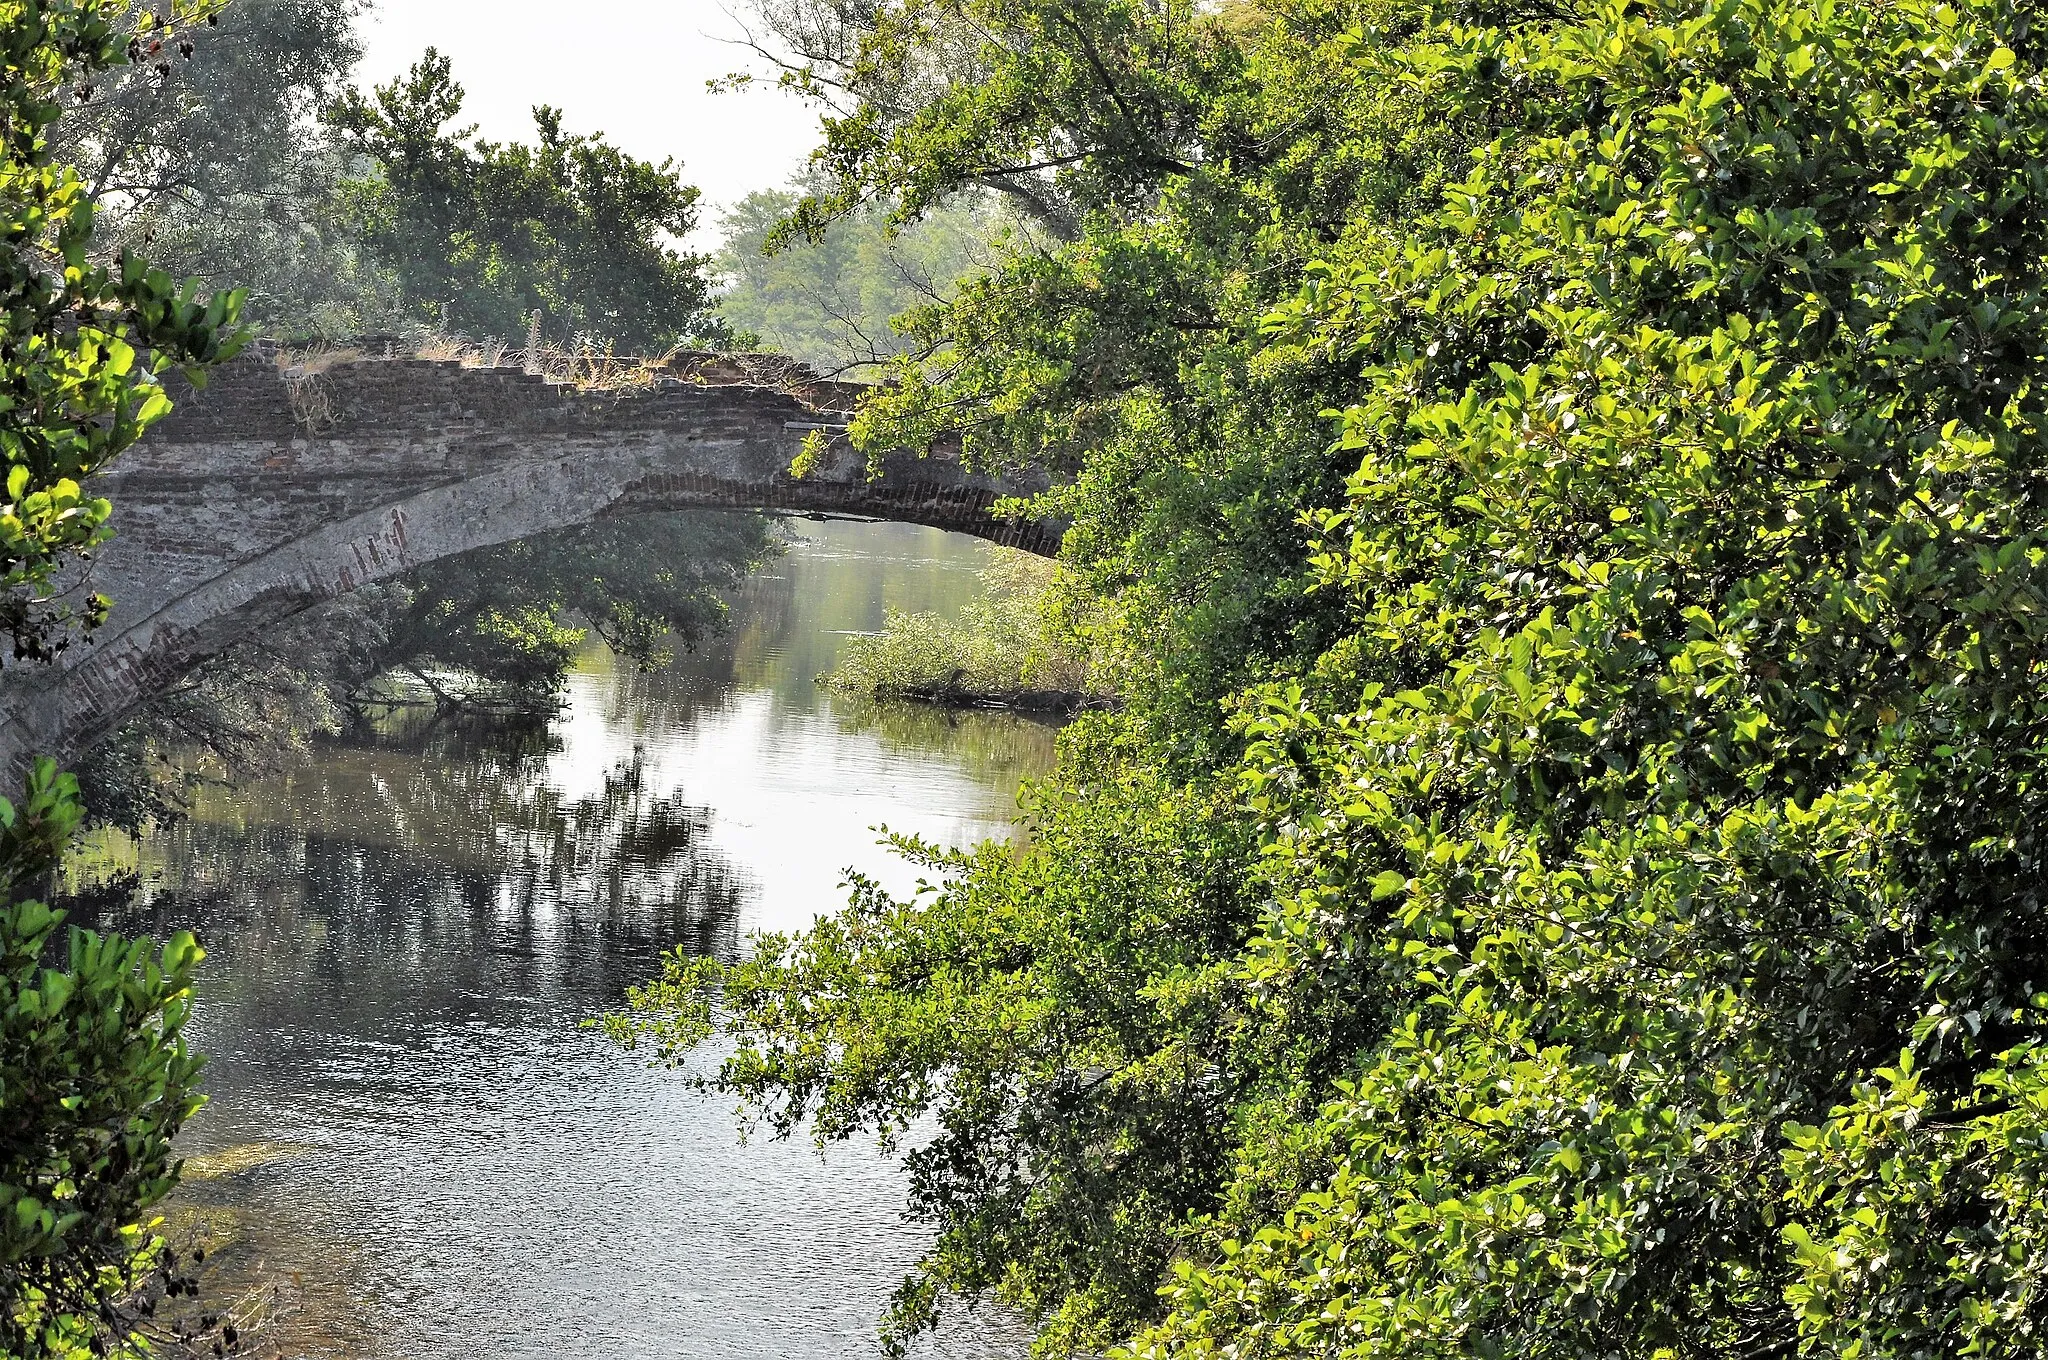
x: 93, y: 1076
x: 1641, y: 953
x: 1020, y: 636
x: 94, y: 1080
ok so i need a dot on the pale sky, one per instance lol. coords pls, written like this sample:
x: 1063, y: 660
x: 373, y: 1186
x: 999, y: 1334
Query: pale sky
x: 632, y: 69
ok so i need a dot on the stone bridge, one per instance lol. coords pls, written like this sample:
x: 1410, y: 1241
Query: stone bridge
x: 276, y: 489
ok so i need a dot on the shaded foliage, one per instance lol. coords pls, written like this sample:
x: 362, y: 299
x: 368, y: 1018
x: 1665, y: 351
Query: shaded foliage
x: 498, y: 627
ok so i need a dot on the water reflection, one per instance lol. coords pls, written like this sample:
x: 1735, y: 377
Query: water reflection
x: 408, y: 928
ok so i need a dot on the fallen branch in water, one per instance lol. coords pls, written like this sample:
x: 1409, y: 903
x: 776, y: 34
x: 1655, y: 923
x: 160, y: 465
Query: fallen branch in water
x: 1062, y: 701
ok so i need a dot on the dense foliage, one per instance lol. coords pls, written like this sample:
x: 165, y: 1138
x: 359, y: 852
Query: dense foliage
x: 1696, y: 557
x: 480, y: 235
x: 1566, y: 885
x: 84, y: 341
x: 94, y: 1081
x: 94, y: 1077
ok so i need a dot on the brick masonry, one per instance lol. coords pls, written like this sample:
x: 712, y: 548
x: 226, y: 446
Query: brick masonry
x: 271, y: 491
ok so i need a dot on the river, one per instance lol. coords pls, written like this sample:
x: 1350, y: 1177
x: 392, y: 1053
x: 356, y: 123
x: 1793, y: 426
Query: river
x: 406, y: 932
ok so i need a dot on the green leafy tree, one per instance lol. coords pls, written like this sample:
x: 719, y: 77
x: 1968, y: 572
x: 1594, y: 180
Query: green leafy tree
x: 84, y: 343
x: 94, y: 1081
x: 1132, y: 362
x: 833, y: 302
x: 217, y: 164
x: 220, y: 112
x: 481, y: 235
x: 94, y: 1077
x: 1695, y: 548
x: 1615, y: 751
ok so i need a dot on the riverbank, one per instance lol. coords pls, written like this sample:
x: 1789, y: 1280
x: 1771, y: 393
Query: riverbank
x: 1064, y: 703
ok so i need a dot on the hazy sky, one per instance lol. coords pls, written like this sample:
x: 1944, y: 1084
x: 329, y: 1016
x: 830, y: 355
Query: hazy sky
x: 632, y: 69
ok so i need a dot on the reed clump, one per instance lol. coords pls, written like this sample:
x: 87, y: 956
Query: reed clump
x: 1020, y: 645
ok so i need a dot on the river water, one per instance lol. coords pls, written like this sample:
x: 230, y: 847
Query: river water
x: 407, y: 931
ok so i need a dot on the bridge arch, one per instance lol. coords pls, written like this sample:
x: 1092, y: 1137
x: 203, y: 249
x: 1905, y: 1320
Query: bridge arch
x: 272, y: 491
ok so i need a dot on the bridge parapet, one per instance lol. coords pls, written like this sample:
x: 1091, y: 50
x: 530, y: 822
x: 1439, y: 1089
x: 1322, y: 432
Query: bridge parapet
x: 252, y: 397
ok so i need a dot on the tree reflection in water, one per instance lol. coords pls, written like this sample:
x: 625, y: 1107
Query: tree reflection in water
x: 439, y: 834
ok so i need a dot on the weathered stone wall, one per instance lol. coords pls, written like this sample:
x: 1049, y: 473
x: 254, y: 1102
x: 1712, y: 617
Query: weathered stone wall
x: 271, y: 491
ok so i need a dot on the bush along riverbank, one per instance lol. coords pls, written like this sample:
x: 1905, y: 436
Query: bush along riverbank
x: 1026, y: 645
x: 1566, y: 490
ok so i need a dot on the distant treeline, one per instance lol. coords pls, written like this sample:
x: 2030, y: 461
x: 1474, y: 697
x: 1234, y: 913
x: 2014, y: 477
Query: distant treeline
x: 256, y: 162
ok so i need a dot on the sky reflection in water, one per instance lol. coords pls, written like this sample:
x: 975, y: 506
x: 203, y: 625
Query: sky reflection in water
x: 406, y: 934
